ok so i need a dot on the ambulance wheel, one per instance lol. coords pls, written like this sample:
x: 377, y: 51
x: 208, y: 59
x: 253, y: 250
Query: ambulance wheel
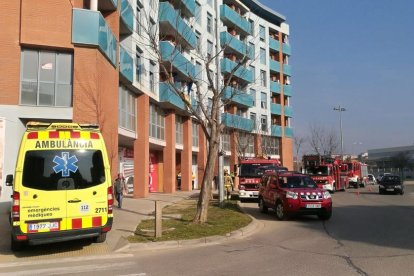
x: 100, y: 239
x: 17, y: 245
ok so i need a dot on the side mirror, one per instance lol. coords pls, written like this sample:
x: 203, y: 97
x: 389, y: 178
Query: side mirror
x: 9, y: 180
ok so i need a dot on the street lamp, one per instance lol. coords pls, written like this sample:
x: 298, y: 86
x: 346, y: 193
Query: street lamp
x: 340, y: 110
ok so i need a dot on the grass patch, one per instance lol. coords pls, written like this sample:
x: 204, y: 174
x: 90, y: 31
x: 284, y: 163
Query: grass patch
x: 177, y: 222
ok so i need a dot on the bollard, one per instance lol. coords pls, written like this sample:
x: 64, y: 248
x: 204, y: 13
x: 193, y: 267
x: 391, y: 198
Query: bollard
x: 158, y: 219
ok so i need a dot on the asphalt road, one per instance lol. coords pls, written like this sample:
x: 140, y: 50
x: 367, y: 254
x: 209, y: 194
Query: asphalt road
x: 368, y: 234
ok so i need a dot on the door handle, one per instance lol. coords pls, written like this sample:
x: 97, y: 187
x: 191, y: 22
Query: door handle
x: 74, y: 201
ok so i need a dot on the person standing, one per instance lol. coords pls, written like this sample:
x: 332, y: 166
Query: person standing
x: 119, y: 188
x: 228, y: 183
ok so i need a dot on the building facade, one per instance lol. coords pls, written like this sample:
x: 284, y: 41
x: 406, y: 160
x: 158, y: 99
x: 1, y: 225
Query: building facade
x: 92, y: 61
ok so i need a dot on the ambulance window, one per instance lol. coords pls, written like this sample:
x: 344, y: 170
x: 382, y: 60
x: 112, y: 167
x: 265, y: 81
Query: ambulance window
x: 51, y: 170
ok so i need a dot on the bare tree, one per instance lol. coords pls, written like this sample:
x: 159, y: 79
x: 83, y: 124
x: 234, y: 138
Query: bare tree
x: 298, y: 142
x: 323, y: 141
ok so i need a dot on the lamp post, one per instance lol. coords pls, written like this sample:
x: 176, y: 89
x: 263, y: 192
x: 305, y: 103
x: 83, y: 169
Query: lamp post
x: 340, y: 110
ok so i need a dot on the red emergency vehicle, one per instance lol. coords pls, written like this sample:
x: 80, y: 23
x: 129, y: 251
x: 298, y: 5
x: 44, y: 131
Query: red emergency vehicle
x: 250, y: 172
x: 357, y: 173
x: 326, y: 172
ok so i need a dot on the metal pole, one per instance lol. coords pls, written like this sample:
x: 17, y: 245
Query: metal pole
x: 340, y: 110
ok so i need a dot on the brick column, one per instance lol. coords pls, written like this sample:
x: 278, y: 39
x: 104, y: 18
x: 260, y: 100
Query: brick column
x: 169, y: 154
x: 186, y: 156
x: 141, y: 148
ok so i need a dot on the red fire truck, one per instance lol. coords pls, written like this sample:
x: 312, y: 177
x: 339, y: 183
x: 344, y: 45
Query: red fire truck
x: 326, y: 172
x: 357, y: 173
x: 250, y: 172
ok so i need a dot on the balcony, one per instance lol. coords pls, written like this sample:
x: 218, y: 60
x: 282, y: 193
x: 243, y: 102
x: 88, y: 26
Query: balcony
x: 187, y: 7
x: 275, y: 87
x: 232, y: 19
x: 286, y: 49
x: 274, y: 65
x: 275, y: 109
x: 288, y: 132
x: 90, y: 28
x: 238, y: 97
x: 288, y: 111
x: 180, y: 63
x: 126, y: 65
x: 169, y: 98
x: 287, y: 69
x: 232, y: 44
x: 171, y: 23
x: 126, y: 20
x: 274, y: 44
x: 241, y: 73
x: 235, y: 121
x: 276, y: 131
x: 107, y: 5
x: 287, y: 90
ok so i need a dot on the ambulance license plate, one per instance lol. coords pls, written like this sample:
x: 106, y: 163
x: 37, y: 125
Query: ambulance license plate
x: 390, y: 189
x: 313, y: 206
x: 44, y: 226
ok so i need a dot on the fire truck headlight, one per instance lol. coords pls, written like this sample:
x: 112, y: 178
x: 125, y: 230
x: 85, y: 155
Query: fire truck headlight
x: 326, y: 182
x: 291, y: 195
x: 241, y: 187
x: 326, y: 195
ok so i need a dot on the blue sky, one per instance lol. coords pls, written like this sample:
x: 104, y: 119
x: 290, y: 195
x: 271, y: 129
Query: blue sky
x: 358, y: 54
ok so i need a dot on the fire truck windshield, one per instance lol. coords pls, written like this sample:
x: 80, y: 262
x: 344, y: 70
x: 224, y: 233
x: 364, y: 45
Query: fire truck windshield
x: 319, y: 170
x: 257, y: 169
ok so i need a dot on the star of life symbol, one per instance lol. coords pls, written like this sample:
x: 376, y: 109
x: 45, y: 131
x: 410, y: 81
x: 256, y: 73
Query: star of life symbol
x: 65, y: 164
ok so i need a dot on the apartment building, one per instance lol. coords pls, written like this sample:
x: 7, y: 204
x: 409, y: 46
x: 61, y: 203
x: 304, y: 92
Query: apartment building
x: 92, y: 61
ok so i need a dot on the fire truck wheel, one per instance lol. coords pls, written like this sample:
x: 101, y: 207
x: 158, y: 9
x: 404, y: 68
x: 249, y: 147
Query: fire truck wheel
x: 280, y: 211
x: 262, y: 207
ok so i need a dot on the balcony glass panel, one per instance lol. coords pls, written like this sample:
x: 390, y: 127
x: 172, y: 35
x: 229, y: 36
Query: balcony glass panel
x: 274, y: 65
x: 227, y: 40
x: 286, y: 49
x: 287, y: 90
x: 190, y: 7
x: 287, y: 69
x: 239, y: 97
x: 242, y: 72
x: 274, y: 44
x: 126, y: 64
x: 171, y: 54
x: 276, y: 130
x: 275, y: 109
x: 168, y: 94
x: 234, y: 121
x: 288, y: 111
x: 126, y: 18
x: 275, y: 87
x: 232, y: 18
x: 90, y: 28
x: 288, y: 132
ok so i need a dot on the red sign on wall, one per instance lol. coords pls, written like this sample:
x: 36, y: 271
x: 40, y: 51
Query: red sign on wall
x: 153, y: 173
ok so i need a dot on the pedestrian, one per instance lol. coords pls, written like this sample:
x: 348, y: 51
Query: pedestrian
x: 119, y: 188
x: 228, y: 183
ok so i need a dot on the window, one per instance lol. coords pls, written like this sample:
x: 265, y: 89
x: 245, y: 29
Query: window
x: 253, y: 118
x: 157, y: 123
x: 153, y: 28
x: 209, y: 23
x: 138, y: 24
x: 253, y: 94
x: 179, y: 132
x: 250, y: 147
x: 263, y: 123
x: 198, y: 13
x: 225, y: 139
x: 263, y: 80
x: 262, y: 33
x: 253, y: 70
x: 127, y: 109
x: 262, y: 56
x: 209, y: 49
x: 194, y: 131
x: 270, y: 145
x: 46, y: 78
x: 251, y: 27
x: 198, y: 46
x: 152, y: 77
x: 138, y: 66
x: 263, y: 100
x: 253, y: 50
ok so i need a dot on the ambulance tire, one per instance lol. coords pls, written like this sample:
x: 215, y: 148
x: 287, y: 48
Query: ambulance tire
x: 100, y: 239
x: 17, y: 245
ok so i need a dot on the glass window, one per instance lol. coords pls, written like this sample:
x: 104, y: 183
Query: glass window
x: 262, y: 56
x: 263, y: 100
x: 198, y: 13
x: 253, y: 94
x: 251, y: 44
x: 210, y: 2
x: 138, y: 69
x: 198, y: 38
x: 152, y: 76
x: 263, y: 122
x: 179, y: 130
x: 194, y: 130
x: 209, y: 23
x: 127, y: 109
x: 157, y: 122
x: 251, y: 27
x: 225, y: 139
x: 209, y: 49
x: 47, y: 170
x: 198, y: 70
x: 262, y: 33
x: 46, y: 78
x: 263, y: 79
x: 253, y: 70
x: 138, y: 24
x: 253, y: 118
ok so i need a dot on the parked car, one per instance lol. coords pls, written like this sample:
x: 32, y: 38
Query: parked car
x: 293, y: 193
x: 391, y: 184
x: 371, y: 179
x: 380, y: 176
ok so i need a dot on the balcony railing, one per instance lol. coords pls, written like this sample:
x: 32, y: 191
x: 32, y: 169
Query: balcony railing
x: 172, y: 23
x: 126, y: 64
x: 235, y: 121
x: 126, y: 19
x: 274, y: 44
x: 275, y: 87
x: 288, y: 111
x: 90, y: 28
x: 230, y: 41
x: 287, y: 90
x: 286, y: 49
x: 274, y: 65
x: 238, y: 97
x: 288, y: 132
x: 231, y: 18
x: 287, y: 69
x: 170, y: 97
x: 170, y: 54
x: 242, y: 73
x: 188, y: 7
x: 276, y: 131
x: 275, y: 109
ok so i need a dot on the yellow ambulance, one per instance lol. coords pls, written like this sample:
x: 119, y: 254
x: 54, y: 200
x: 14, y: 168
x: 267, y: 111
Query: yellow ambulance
x: 62, y: 185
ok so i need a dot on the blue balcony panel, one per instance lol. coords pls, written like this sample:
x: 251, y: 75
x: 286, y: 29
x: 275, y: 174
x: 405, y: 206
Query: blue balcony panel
x: 242, y: 73
x: 107, y: 5
x: 286, y: 49
x: 276, y: 131
x: 171, y: 23
x: 126, y: 19
x: 275, y: 87
x: 188, y: 7
x: 170, y: 54
x: 287, y: 69
x: 238, y: 97
x: 288, y: 132
x: 169, y: 98
x: 274, y: 44
x: 288, y: 111
x: 274, y: 66
x: 126, y: 64
x: 275, y: 109
x: 231, y: 18
x: 233, y: 44
x: 287, y: 90
x: 90, y: 28
x: 237, y: 122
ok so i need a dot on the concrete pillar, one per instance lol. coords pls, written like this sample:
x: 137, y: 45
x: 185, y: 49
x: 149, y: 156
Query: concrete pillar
x: 141, y: 148
x: 169, y: 154
x: 186, y: 156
